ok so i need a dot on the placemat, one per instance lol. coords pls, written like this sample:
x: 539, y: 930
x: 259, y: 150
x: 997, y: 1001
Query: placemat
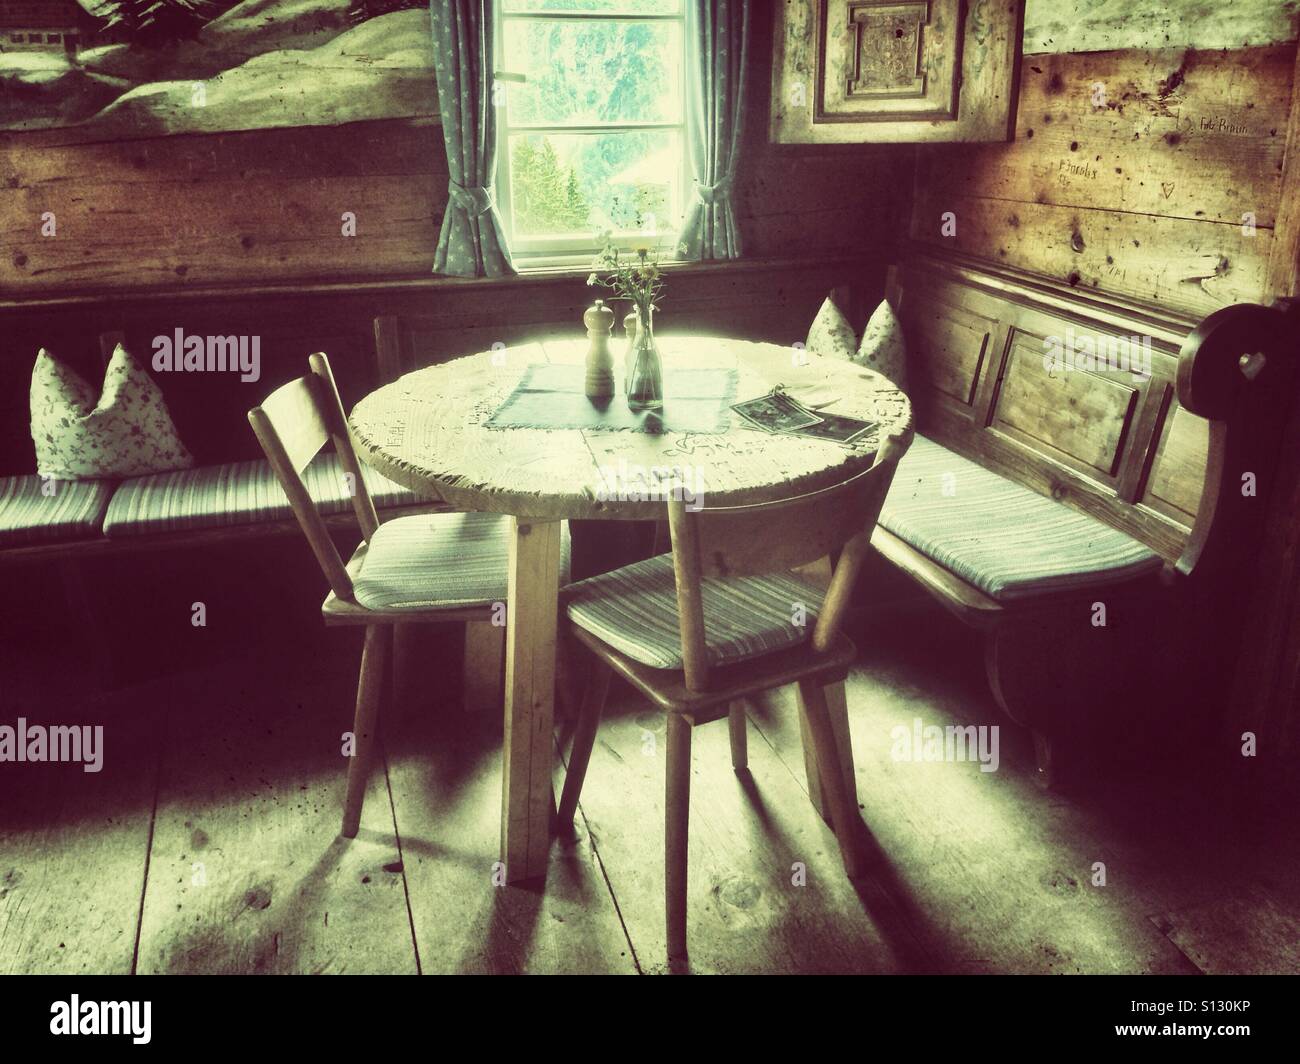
x: 552, y: 397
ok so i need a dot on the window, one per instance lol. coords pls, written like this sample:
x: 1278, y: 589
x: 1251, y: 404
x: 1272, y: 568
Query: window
x: 591, y: 125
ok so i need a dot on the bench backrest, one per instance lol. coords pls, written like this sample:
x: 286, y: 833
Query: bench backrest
x: 1001, y: 372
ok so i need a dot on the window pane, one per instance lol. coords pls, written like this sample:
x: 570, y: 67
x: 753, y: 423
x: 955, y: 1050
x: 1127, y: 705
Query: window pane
x: 593, y: 73
x: 621, y: 7
x: 576, y: 184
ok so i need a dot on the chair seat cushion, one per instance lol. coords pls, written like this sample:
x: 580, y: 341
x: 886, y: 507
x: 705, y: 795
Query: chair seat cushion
x: 634, y: 610
x: 237, y: 493
x: 999, y: 536
x: 34, y: 510
x: 433, y: 561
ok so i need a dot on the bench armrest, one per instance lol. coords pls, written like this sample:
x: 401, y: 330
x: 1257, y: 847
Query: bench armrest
x: 1237, y: 369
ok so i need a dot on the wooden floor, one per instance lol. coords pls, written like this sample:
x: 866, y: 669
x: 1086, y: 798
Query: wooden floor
x: 209, y: 841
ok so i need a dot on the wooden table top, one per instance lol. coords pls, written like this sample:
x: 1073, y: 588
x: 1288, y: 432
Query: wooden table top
x: 426, y: 431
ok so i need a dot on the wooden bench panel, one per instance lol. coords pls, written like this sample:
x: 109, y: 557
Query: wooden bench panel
x: 1079, y: 417
x: 1173, y: 487
x: 955, y: 347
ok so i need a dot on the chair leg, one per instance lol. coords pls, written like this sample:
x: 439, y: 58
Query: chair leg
x: 485, y: 662
x: 844, y: 812
x: 677, y: 807
x: 409, y: 652
x: 739, y: 741
x: 567, y: 654
x: 370, y: 686
x: 584, y: 738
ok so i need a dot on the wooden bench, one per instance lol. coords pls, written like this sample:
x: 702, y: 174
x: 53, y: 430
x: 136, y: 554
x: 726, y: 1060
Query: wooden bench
x: 1179, y: 463
x: 71, y: 523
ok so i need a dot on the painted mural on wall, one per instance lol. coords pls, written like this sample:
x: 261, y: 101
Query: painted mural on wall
x: 150, y: 67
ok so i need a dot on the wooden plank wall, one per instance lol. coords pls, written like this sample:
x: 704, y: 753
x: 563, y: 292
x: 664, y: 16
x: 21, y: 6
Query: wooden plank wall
x: 267, y: 205
x: 1150, y: 174
x: 757, y: 299
x: 1104, y: 25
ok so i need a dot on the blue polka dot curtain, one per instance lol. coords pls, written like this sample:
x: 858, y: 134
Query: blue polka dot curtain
x: 472, y: 243
x: 717, y: 46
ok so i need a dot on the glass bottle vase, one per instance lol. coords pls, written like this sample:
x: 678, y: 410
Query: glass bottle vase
x: 645, y: 378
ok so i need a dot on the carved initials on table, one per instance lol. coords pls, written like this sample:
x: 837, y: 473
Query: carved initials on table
x: 885, y: 56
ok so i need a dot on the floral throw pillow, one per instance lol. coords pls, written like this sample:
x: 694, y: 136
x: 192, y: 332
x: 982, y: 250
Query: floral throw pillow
x: 882, y: 347
x: 124, y: 432
x: 831, y: 335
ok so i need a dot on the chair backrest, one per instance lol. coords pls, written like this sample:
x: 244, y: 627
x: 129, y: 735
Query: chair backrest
x: 293, y: 423
x: 777, y: 536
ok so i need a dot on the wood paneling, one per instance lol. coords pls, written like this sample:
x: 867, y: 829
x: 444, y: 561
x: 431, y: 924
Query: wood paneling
x: 197, y: 210
x: 1102, y: 25
x: 1132, y: 172
x: 1184, y: 135
x: 443, y: 318
x: 267, y: 205
x: 1077, y: 416
x: 1082, y: 434
x: 1178, y: 471
x: 952, y: 351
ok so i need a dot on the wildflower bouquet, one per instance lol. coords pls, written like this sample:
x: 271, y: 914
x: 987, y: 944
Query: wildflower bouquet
x: 638, y: 280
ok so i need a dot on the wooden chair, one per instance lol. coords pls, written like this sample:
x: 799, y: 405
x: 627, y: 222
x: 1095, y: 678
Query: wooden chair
x: 719, y: 620
x: 426, y: 568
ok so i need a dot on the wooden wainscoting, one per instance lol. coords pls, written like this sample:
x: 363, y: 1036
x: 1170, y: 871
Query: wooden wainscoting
x: 755, y: 299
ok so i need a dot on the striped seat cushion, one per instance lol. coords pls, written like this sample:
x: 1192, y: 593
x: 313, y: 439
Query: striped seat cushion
x: 1006, y: 540
x: 634, y: 610
x: 430, y: 561
x: 237, y: 493
x: 33, y: 510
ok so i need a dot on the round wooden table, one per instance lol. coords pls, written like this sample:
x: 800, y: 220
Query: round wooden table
x: 427, y: 432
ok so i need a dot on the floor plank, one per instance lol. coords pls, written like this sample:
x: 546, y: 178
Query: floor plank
x: 990, y: 873
x: 767, y: 890
x: 971, y: 871
x: 249, y: 873
x: 73, y: 844
x: 1232, y: 935
x: 445, y: 767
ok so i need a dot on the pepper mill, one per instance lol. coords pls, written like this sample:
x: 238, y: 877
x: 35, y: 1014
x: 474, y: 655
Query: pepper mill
x: 599, y: 320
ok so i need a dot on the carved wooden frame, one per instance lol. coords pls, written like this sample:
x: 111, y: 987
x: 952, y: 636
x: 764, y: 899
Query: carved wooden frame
x: 946, y: 112
x: 985, y: 82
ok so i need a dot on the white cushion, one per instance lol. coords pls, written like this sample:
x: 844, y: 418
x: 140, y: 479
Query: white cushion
x: 440, y: 561
x: 831, y: 334
x: 1006, y: 540
x: 882, y: 348
x: 125, y: 432
x: 634, y: 610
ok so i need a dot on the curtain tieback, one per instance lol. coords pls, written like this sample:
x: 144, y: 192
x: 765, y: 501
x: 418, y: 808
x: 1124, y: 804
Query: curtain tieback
x: 475, y: 200
x: 710, y: 194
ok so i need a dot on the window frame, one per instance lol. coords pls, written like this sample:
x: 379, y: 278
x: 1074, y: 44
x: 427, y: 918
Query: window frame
x: 533, y: 252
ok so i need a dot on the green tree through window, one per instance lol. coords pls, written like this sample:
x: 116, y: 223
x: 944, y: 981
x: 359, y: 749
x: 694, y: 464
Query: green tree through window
x: 593, y: 134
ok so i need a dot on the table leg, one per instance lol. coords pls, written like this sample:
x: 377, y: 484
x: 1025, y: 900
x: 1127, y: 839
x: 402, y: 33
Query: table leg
x: 527, y: 802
